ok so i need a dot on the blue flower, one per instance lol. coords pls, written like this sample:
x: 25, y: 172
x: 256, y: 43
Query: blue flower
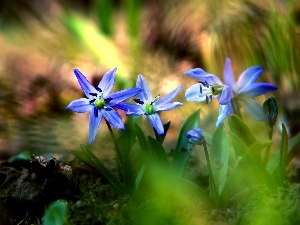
x: 243, y: 90
x: 195, y: 136
x: 99, y: 101
x: 149, y: 106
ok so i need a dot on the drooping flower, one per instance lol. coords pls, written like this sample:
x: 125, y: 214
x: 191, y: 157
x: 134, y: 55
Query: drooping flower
x: 149, y: 106
x: 243, y: 90
x: 195, y: 136
x: 99, y: 101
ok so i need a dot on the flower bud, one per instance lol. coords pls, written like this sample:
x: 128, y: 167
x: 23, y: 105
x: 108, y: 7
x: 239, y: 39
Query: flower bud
x: 270, y: 108
x: 195, y: 136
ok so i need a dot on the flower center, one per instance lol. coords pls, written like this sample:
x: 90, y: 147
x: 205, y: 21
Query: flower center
x: 209, y: 90
x: 99, y: 102
x: 149, y: 108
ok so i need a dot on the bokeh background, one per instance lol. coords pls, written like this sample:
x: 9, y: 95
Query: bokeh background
x: 41, y: 41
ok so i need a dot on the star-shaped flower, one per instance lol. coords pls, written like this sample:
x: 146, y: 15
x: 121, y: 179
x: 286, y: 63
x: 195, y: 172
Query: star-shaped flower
x: 99, y: 101
x: 149, y: 106
x: 243, y: 90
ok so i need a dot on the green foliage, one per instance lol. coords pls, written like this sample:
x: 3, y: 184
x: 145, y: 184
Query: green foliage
x: 219, y: 155
x: 183, y: 148
x: 26, y: 155
x: 56, y: 213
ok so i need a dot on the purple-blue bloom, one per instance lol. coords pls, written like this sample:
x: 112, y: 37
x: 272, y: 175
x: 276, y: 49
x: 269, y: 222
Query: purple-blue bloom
x: 243, y: 90
x: 99, y: 101
x: 149, y: 106
x: 195, y: 136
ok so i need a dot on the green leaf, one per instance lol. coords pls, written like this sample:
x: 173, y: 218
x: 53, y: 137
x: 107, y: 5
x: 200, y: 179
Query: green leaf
x: 161, y: 138
x: 238, y: 144
x: 248, y: 172
x: 219, y: 155
x: 26, y: 155
x: 239, y: 128
x: 93, y: 161
x: 183, y: 147
x: 142, y: 139
x: 139, y: 177
x: 283, y: 155
x: 56, y: 213
x: 292, y: 144
x: 158, y: 151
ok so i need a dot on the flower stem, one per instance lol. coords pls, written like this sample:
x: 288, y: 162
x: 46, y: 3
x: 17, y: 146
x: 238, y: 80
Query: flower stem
x: 236, y: 108
x: 213, y: 189
x: 267, y: 154
x: 115, y: 143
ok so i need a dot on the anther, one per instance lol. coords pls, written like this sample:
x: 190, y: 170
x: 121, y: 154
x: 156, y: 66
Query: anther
x: 93, y: 94
x: 107, y: 100
x: 200, y: 89
x: 98, y: 89
x: 139, y: 101
x: 91, y: 101
x: 96, y: 112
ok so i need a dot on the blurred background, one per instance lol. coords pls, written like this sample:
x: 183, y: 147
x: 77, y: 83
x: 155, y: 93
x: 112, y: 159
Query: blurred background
x: 42, y: 41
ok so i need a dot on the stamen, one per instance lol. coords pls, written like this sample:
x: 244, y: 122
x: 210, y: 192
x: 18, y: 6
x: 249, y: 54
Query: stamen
x: 204, y: 83
x: 137, y: 100
x: 98, y: 89
x: 200, y: 89
x: 93, y: 94
x: 206, y: 99
x: 107, y: 100
x: 91, y: 101
x: 108, y: 109
x: 213, y: 89
x: 155, y: 99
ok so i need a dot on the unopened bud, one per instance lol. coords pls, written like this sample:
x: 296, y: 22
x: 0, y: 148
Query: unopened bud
x: 270, y: 108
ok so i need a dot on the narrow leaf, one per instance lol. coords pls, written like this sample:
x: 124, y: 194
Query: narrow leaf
x: 183, y: 148
x: 158, y: 151
x: 238, y: 127
x: 219, y: 155
x: 283, y: 155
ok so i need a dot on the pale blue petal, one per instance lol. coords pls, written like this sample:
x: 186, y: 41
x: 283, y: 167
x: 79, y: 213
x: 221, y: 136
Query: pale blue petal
x: 201, y: 75
x: 168, y: 106
x: 193, y: 93
x: 224, y: 111
x: 226, y: 95
x: 80, y: 105
x: 229, y: 77
x: 107, y: 82
x: 85, y: 85
x: 130, y: 108
x: 257, y: 89
x: 145, y: 95
x: 249, y: 76
x: 168, y: 98
x: 123, y: 95
x: 156, y: 123
x: 254, y: 109
x: 195, y: 136
x: 113, y: 118
x: 94, y: 123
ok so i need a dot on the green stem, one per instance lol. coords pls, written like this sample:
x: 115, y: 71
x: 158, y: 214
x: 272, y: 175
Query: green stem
x: 236, y: 108
x: 115, y: 143
x: 267, y: 154
x: 212, y: 183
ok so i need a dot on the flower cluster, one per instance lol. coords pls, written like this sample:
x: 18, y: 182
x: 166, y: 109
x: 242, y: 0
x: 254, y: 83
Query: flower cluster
x: 231, y: 91
x: 230, y: 94
x: 101, y: 103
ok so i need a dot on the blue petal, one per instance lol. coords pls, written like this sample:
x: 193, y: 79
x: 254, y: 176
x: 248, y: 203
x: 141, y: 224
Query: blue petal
x: 254, y: 109
x: 168, y: 98
x: 229, y: 77
x: 131, y: 109
x: 257, y: 89
x: 121, y: 96
x: 113, y: 118
x: 85, y: 85
x: 193, y: 93
x: 195, y: 136
x: 224, y: 111
x: 156, y: 123
x: 145, y: 95
x: 107, y: 82
x: 168, y: 106
x: 80, y: 105
x: 249, y: 76
x: 200, y: 74
x: 95, y: 119
x: 226, y: 95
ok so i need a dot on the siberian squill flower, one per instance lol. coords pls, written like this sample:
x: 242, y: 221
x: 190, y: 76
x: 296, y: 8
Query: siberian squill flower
x: 100, y: 102
x: 149, y: 106
x: 195, y: 136
x: 241, y: 91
